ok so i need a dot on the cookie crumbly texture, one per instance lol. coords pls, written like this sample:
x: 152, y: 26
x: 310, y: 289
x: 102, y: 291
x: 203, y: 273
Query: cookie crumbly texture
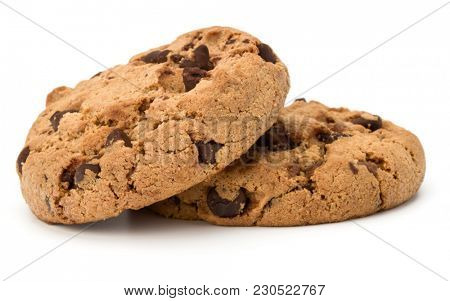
x: 315, y: 165
x: 141, y: 132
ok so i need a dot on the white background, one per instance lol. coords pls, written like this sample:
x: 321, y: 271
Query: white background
x: 406, y: 80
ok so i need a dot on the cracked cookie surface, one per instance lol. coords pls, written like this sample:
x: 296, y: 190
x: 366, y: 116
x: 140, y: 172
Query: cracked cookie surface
x: 315, y: 165
x: 142, y: 132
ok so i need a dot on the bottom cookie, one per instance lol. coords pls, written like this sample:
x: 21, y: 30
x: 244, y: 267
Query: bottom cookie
x: 315, y: 165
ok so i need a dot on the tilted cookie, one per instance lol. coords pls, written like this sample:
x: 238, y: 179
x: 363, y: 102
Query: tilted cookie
x: 315, y: 165
x: 141, y: 132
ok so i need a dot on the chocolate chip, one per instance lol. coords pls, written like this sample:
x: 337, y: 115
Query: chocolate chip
x: 187, y: 63
x: 117, y: 135
x: 174, y: 199
x: 246, y: 41
x: 57, y: 116
x: 230, y: 41
x: 188, y: 46
x: 353, y: 168
x: 22, y: 158
x: 276, y: 139
x: 371, y: 167
x: 266, y: 53
x: 207, y: 151
x: 191, y: 77
x: 300, y: 100
x: 67, y: 176
x: 250, y: 156
x: 81, y: 170
x: 370, y: 124
x: 310, y: 186
x: 155, y: 57
x: 176, y: 58
x: 200, y: 60
x: 309, y: 170
x: 144, y: 106
x: 167, y: 72
x: 47, y: 203
x: 329, y: 137
x: 201, y: 57
x: 226, y: 208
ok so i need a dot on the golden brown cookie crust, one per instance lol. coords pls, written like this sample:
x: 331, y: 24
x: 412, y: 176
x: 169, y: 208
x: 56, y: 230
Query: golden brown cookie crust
x: 141, y: 132
x: 336, y: 165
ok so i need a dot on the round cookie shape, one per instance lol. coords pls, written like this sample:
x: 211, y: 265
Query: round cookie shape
x: 315, y: 165
x: 139, y: 133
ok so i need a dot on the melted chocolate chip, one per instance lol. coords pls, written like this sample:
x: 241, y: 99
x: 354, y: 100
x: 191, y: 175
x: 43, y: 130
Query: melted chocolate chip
x: 22, y: 158
x: 276, y: 139
x: 329, y: 137
x: 371, y: 167
x: 225, y: 208
x: 300, y: 100
x: 57, y: 116
x: 353, y: 168
x: 81, y: 170
x: 230, y: 41
x: 192, y: 76
x: 266, y: 53
x: 207, y: 151
x: 117, y: 135
x: 176, y: 58
x: 67, y: 176
x: 201, y: 58
x: 174, y: 199
x: 370, y: 124
x: 155, y: 57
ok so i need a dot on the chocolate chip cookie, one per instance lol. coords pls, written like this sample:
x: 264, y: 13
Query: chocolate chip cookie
x: 315, y: 165
x: 142, y: 132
